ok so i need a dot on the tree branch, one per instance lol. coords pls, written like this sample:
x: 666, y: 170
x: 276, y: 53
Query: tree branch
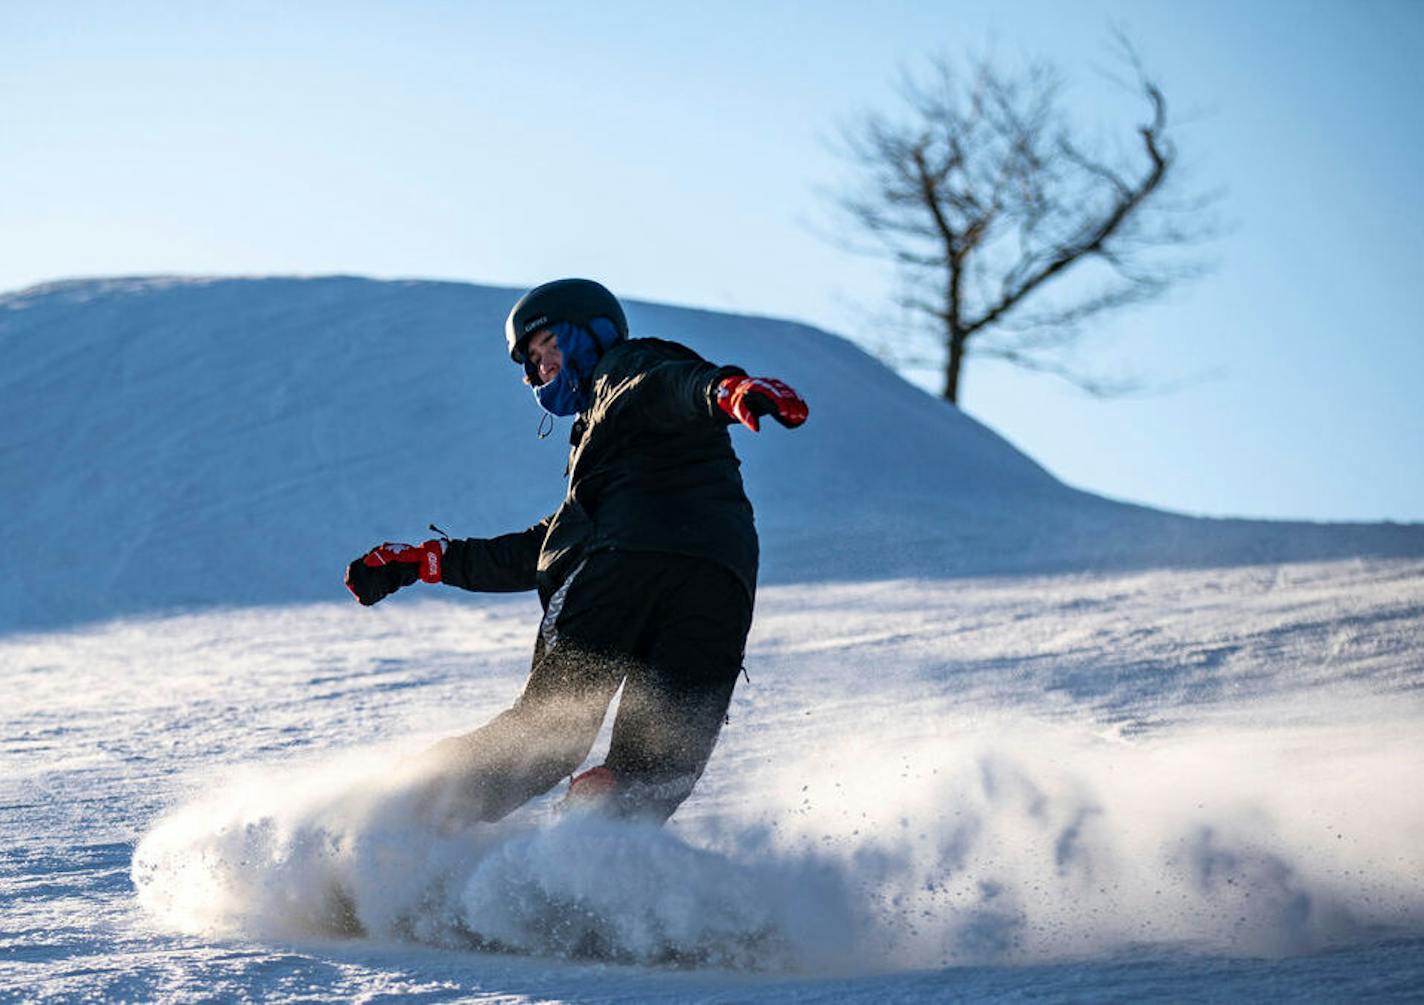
x: 1096, y: 232
x: 985, y: 198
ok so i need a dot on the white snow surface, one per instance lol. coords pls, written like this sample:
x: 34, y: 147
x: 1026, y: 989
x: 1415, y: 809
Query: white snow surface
x: 1001, y: 738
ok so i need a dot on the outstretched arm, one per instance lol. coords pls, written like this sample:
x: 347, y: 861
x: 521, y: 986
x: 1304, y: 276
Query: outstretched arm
x: 685, y: 390
x: 504, y: 564
x: 669, y: 393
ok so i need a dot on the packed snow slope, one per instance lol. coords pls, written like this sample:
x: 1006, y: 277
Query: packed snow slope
x: 999, y: 739
x: 171, y: 444
x: 1149, y: 786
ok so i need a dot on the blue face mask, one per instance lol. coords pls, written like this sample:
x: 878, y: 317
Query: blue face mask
x: 561, y: 396
x: 582, y: 347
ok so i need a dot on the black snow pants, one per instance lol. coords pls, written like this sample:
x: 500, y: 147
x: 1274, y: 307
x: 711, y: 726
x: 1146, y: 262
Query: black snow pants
x: 672, y: 630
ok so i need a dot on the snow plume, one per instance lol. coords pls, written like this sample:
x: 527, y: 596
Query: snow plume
x: 592, y: 887
x: 1002, y: 843
x: 326, y: 850
x: 331, y: 848
x: 1017, y: 842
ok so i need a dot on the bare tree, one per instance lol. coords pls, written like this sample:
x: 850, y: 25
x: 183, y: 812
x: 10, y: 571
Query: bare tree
x: 1010, y: 230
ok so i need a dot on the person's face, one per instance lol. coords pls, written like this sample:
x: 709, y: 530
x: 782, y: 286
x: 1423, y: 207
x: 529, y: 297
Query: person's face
x: 544, y: 357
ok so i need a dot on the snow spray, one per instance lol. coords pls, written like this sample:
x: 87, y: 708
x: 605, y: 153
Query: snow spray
x: 1003, y: 842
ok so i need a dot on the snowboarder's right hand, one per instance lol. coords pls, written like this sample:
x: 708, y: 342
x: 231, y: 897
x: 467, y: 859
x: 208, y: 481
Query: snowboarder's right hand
x: 385, y: 569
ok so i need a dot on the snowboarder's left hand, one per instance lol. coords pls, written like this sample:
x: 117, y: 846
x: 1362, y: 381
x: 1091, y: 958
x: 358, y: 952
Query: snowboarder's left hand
x: 746, y: 399
x: 385, y: 569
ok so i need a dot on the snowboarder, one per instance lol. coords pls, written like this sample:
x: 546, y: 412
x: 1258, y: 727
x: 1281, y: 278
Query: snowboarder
x: 646, y: 572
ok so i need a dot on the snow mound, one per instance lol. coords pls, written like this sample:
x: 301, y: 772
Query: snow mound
x: 189, y: 443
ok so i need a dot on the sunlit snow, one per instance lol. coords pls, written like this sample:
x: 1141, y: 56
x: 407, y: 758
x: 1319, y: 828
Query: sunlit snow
x: 999, y: 737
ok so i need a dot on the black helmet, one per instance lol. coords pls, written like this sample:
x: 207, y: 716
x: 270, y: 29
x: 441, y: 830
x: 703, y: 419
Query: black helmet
x: 578, y: 301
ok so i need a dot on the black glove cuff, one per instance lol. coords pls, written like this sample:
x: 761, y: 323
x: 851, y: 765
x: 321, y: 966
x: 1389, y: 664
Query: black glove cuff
x: 722, y: 373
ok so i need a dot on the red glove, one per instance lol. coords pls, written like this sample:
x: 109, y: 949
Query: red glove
x: 745, y: 399
x: 384, y: 570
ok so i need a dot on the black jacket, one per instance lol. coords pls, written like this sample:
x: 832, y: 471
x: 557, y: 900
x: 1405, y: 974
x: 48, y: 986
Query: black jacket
x: 652, y: 469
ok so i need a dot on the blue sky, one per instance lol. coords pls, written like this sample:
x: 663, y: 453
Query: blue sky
x: 680, y: 153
